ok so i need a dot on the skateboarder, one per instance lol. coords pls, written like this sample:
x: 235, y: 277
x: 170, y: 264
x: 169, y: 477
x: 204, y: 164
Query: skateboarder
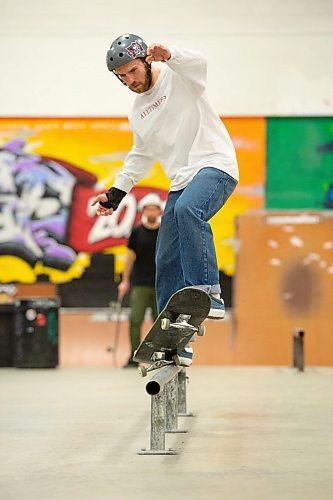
x: 139, y: 271
x: 173, y: 122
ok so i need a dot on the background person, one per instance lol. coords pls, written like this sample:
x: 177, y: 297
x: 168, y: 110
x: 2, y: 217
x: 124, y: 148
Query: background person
x: 139, y: 272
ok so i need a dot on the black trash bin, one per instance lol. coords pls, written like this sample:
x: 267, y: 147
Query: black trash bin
x: 36, y: 333
x: 7, y: 312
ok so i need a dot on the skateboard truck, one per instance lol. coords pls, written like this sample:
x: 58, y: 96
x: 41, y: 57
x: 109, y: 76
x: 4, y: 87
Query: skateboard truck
x: 158, y: 362
x: 158, y: 358
x: 182, y: 324
x: 177, y: 325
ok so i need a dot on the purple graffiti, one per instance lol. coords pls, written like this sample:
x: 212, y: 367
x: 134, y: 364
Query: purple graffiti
x: 35, y: 199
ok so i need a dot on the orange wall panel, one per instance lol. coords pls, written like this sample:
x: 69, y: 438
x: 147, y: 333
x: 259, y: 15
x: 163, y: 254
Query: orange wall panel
x: 284, y: 280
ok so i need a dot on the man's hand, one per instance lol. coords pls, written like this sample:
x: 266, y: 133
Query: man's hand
x: 157, y: 52
x: 101, y: 210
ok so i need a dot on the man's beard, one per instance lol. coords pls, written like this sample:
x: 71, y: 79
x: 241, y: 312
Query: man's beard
x: 141, y: 87
x: 144, y: 86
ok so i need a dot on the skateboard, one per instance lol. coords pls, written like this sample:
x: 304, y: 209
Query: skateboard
x: 175, y: 326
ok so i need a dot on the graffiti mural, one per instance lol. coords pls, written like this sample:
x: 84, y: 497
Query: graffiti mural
x: 46, y: 218
x: 35, y: 200
x: 51, y: 168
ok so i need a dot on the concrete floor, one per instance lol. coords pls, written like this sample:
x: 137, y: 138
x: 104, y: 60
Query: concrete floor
x: 259, y: 433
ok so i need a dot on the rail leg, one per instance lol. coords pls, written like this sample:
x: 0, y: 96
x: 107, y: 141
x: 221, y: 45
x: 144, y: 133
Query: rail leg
x: 182, y: 405
x: 298, y: 349
x: 157, y: 427
x: 171, y: 405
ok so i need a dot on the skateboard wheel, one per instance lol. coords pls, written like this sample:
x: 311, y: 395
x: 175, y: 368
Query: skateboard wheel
x: 142, y: 371
x: 165, y: 324
x: 201, y: 331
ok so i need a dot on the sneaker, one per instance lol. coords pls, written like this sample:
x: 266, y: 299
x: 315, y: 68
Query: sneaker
x: 185, y: 356
x: 217, y: 309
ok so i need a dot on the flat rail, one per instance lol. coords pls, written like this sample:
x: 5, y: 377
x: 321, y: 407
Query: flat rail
x: 298, y: 349
x: 167, y: 389
x: 161, y: 378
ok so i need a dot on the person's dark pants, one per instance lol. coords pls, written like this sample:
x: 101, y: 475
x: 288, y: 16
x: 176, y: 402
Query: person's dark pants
x: 141, y: 298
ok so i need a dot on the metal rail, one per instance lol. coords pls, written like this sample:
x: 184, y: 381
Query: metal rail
x: 298, y: 349
x: 161, y: 378
x: 167, y: 389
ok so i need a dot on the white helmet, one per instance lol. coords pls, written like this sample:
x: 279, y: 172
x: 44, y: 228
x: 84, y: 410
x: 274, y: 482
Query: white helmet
x: 150, y: 199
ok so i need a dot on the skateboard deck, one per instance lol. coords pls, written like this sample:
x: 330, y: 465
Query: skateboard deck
x: 176, y: 324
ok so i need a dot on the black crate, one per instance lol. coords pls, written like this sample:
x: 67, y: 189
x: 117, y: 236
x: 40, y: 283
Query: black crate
x: 7, y: 339
x: 36, y: 333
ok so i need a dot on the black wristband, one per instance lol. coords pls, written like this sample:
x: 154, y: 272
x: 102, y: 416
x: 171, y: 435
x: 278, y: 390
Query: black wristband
x: 114, y: 196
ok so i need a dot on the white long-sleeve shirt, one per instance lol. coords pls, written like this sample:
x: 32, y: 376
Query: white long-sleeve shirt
x: 174, y: 124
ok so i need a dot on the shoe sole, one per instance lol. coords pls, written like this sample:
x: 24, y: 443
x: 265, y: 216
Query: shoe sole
x: 185, y: 362
x: 216, y: 314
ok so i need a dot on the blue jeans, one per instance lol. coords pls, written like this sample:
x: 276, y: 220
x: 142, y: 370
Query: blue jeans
x: 185, y: 253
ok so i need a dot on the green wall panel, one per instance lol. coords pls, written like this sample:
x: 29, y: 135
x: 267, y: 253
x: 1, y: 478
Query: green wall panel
x: 299, y: 171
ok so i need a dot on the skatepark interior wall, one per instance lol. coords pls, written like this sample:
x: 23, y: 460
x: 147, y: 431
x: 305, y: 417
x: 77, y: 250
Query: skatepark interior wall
x: 283, y: 280
x: 283, y: 284
x: 281, y: 51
